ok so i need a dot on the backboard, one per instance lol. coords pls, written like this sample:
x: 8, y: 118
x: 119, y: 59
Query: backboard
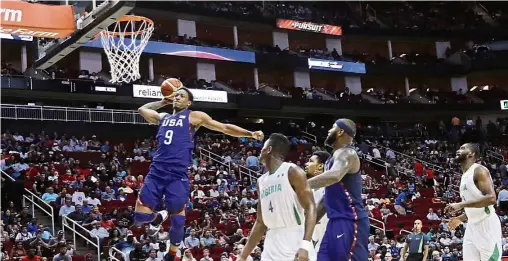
x: 67, y: 24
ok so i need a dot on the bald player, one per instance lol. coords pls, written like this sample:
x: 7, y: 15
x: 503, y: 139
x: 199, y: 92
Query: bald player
x: 347, y: 232
x: 483, y: 236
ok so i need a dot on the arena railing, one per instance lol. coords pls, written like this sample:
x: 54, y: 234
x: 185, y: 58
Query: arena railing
x: 382, y: 227
x: 495, y: 155
x: 112, y: 254
x: 74, y: 226
x: 404, y: 231
x: 69, y: 114
x: 309, y: 136
x: 253, y: 175
x: 35, y: 201
x: 426, y: 163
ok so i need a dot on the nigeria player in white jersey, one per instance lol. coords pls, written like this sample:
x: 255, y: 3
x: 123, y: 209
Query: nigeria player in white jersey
x: 314, y: 167
x: 286, y: 208
x: 483, y: 237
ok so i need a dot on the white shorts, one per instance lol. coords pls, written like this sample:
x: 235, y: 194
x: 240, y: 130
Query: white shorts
x: 281, y: 244
x: 482, y: 240
x: 319, y: 232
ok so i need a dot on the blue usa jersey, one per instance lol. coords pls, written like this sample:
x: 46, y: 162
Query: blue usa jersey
x: 344, y: 199
x: 175, y: 140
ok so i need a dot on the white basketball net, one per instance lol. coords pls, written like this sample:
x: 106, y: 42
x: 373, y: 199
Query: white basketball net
x: 123, y: 46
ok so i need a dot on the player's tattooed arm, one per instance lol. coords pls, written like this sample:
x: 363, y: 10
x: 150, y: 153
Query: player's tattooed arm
x: 257, y: 232
x: 298, y: 180
x: 344, y: 161
x: 199, y: 118
x: 149, y: 111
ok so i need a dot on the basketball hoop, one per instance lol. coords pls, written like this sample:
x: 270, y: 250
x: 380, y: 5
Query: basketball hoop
x: 124, y: 44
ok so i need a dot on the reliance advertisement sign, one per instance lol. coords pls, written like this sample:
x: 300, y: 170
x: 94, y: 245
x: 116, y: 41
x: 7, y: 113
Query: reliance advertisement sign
x: 336, y: 66
x: 190, y: 51
x: 154, y: 92
x: 309, y: 27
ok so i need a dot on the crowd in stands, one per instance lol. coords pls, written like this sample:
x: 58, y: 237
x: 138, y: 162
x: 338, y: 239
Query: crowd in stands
x: 99, y: 191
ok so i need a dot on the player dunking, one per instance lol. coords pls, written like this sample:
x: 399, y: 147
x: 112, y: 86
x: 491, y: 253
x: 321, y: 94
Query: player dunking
x: 314, y: 167
x: 483, y: 237
x: 286, y: 208
x: 168, y: 172
x: 347, y: 232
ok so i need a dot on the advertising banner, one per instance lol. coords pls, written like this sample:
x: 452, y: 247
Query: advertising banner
x: 154, y: 92
x: 17, y: 37
x: 337, y: 66
x: 37, y: 20
x: 191, y: 51
x: 309, y: 27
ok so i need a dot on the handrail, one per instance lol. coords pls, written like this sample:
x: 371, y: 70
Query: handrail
x: 65, y: 224
x: 50, y: 213
x: 309, y: 136
x: 241, y: 169
x: 427, y: 164
x: 483, y: 7
x: 495, y: 155
x: 112, y: 256
x: 32, y: 200
x: 383, y: 227
x: 56, y: 113
x: 405, y: 231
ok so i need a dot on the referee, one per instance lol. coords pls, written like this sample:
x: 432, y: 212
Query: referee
x: 417, y: 243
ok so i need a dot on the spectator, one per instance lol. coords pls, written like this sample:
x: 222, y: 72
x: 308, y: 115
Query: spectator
x: 108, y: 194
x: 432, y: 216
x: 248, y: 200
x: 400, y: 203
x: 206, y: 255
x: 152, y: 256
x: 50, y: 196
x: 187, y: 255
x: 207, y: 240
x: 62, y: 255
x: 252, y: 161
x: 67, y: 208
x: 502, y: 199
x: 192, y: 241
x: 31, y: 255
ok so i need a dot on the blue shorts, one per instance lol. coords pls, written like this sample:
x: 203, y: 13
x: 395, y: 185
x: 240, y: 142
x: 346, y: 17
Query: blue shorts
x: 341, y: 243
x: 163, y: 180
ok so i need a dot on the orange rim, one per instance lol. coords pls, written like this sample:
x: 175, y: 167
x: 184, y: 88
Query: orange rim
x: 128, y: 18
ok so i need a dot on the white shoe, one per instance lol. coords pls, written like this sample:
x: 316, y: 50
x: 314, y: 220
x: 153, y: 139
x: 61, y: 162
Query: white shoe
x: 153, y: 230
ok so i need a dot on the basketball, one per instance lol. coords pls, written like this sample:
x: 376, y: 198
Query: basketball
x: 169, y: 86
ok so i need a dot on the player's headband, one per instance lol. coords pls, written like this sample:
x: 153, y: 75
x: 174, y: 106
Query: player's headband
x: 351, y: 133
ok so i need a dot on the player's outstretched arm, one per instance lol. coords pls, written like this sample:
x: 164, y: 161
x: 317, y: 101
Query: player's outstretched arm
x: 149, y: 110
x: 298, y: 180
x: 344, y: 161
x: 199, y: 118
x: 257, y: 232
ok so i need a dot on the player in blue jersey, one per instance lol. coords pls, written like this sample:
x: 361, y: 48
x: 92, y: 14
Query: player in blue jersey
x: 347, y: 233
x: 167, y: 176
